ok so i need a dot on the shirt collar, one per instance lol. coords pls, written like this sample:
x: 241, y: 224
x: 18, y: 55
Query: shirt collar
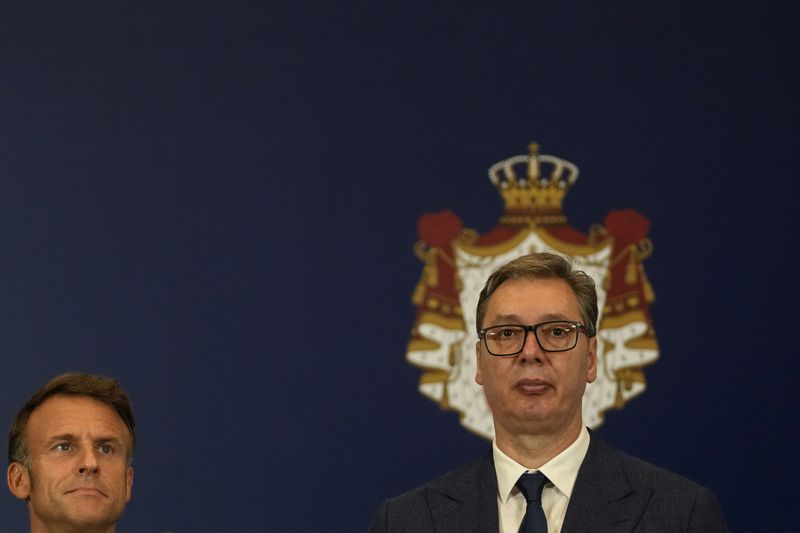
x: 561, y: 470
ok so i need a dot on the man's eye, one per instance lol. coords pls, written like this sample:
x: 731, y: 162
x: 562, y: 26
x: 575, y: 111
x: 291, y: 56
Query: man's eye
x: 559, y: 330
x: 105, y: 449
x: 63, y: 447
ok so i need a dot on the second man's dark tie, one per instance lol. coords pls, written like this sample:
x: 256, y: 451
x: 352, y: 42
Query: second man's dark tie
x: 531, y: 485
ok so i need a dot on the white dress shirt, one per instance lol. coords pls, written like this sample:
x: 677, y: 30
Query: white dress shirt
x: 561, y: 470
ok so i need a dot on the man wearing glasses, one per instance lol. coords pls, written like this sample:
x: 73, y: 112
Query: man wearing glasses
x: 536, y: 352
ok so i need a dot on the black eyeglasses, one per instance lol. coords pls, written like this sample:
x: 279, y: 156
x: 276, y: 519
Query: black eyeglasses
x: 554, y: 336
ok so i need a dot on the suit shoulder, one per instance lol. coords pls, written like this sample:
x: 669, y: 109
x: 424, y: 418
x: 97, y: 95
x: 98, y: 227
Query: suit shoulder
x: 413, y: 510
x: 673, y: 495
x: 640, y: 472
x: 466, y: 475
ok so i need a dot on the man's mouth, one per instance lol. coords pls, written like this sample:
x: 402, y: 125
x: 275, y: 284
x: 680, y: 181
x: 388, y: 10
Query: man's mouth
x: 86, y: 491
x: 532, y: 386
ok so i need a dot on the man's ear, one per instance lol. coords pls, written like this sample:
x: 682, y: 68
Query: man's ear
x: 128, y: 483
x: 591, y: 369
x: 19, y: 481
x: 478, y: 376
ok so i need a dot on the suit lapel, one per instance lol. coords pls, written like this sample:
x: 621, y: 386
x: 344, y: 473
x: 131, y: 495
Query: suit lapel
x: 466, y: 502
x: 603, y: 500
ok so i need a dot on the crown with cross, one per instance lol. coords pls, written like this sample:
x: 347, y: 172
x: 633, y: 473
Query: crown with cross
x: 533, y: 186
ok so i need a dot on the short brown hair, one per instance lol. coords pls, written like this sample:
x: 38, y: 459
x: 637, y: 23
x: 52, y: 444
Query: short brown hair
x: 544, y: 266
x: 100, y: 388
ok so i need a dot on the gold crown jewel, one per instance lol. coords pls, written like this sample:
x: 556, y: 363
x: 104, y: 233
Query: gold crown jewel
x: 535, y: 198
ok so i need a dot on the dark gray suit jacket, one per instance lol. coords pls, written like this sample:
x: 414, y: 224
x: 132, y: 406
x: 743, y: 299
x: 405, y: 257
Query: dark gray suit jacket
x: 613, y: 492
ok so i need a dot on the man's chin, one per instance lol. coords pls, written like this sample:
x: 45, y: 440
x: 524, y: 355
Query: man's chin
x: 82, y: 517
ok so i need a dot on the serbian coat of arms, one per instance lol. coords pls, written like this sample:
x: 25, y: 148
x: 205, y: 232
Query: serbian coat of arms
x: 457, y: 261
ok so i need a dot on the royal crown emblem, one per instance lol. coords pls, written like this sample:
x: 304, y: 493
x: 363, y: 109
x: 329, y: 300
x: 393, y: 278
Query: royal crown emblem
x: 457, y: 261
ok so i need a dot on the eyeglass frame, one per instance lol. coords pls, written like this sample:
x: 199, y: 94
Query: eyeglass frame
x: 533, y: 328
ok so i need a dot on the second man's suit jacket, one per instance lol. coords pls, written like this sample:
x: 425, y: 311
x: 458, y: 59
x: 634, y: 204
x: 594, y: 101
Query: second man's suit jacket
x: 613, y: 492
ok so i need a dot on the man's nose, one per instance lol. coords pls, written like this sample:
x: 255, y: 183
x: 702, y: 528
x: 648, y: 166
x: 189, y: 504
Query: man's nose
x: 531, y: 351
x: 88, y: 465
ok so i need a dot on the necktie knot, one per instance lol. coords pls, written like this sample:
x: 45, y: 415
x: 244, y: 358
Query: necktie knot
x: 531, y: 485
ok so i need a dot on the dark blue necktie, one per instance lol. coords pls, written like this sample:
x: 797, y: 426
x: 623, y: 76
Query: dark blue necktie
x: 531, y: 485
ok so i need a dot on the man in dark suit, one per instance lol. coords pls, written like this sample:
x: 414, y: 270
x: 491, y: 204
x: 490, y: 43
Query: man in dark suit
x: 547, y: 473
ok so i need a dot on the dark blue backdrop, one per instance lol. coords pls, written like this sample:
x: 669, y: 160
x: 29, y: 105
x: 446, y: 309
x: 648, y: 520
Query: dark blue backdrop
x: 181, y: 183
